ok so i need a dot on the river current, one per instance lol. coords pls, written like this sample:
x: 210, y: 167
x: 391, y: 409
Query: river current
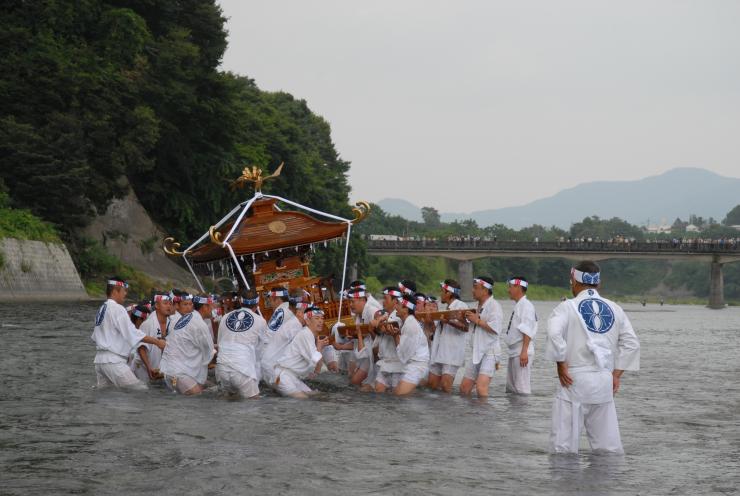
x: 679, y: 417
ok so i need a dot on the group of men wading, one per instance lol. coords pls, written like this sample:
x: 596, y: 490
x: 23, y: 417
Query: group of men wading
x: 401, y: 343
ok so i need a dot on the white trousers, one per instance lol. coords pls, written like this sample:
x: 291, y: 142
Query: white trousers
x: 118, y: 375
x: 289, y: 383
x: 329, y: 354
x: 231, y: 381
x: 517, y: 377
x: 600, y: 420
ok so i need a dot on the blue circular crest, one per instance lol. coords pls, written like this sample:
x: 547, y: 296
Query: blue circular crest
x: 598, y: 316
x: 239, y: 321
x: 184, y: 320
x: 101, y: 315
x: 276, y: 320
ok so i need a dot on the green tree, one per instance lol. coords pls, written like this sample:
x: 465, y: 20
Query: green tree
x: 430, y: 216
x: 733, y: 217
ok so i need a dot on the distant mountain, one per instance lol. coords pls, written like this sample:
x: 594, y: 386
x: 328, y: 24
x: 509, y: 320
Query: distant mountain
x: 404, y: 208
x: 676, y: 193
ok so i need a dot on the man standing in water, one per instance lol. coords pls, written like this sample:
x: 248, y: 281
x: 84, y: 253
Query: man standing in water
x: 115, y: 336
x: 146, y: 361
x: 485, y: 325
x: 593, y: 343
x: 189, y: 350
x: 301, y: 357
x: 519, y: 337
x: 448, y: 345
x: 411, y: 347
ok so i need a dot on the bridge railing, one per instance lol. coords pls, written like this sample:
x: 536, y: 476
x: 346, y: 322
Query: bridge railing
x: 693, y: 246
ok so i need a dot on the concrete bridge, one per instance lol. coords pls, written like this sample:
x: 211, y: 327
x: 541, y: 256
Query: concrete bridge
x: 716, y: 253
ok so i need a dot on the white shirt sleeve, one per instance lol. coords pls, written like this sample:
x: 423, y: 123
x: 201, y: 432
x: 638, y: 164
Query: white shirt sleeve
x: 494, y: 317
x: 527, y: 320
x: 628, y: 355
x: 131, y: 335
x: 557, y: 328
x: 406, y: 346
x: 307, y: 347
x: 205, y: 341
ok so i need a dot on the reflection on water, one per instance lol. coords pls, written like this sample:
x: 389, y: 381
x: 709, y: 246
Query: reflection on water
x: 678, y: 417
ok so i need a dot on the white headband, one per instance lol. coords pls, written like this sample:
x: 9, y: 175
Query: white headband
x: 122, y: 284
x: 517, y: 282
x: 449, y: 288
x: 249, y: 302
x: 404, y: 289
x: 406, y: 303
x: 314, y: 312
x: 483, y: 283
x: 590, y: 278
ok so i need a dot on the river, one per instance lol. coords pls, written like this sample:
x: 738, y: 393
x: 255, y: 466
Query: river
x: 679, y: 417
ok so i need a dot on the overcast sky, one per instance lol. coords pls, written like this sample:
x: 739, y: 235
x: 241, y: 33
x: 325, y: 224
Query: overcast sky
x: 470, y: 105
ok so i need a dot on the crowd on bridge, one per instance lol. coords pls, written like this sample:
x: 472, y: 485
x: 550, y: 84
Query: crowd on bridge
x: 584, y: 242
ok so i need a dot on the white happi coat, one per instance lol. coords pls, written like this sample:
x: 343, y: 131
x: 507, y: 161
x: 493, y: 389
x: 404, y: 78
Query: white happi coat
x: 609, y: 330
x: 301, y: 355
x: 189, y: 348
x: 368, y: 314
x: 114, y: 334
x: 238, y: 338
x: 388, y: 361
x: 448, y: 346
x: 412, y: 347
x: 151, y: 328
x: 485, y: 342
x: 523, y: 321
x: 282, y: 328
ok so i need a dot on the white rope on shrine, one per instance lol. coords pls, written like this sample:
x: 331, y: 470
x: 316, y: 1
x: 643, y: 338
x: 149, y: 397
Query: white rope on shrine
x: 244, y: 206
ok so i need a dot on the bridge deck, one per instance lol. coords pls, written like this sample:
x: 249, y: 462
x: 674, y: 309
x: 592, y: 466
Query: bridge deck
x: 718, y: 251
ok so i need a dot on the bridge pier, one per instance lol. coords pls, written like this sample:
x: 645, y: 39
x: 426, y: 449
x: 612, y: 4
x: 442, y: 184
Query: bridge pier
x: 465, y: 278
x: 352, y: 273
x: 716, y: 286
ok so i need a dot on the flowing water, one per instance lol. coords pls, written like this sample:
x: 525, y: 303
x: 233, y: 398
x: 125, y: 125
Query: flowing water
x: 679, y: 418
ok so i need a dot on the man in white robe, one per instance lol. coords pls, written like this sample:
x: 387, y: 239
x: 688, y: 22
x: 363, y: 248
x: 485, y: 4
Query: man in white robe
x: 364, y: 311
x: 389, y: 368
x: 411, y: 347
x: 593, y: 343
x: 301, y: 357
x: 115, y: 337
x: 485, y: 328
x: 282, y: 328
x: 189, y: 350
x: 237, y: 368
x: 146, y: 361
x: 183, y: 302
x: 519, y: 337
x: 448, y: 345
x: 251, y: 301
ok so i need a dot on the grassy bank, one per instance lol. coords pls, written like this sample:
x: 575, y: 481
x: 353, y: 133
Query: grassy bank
x: 95, y: 264
x: 22, y: 224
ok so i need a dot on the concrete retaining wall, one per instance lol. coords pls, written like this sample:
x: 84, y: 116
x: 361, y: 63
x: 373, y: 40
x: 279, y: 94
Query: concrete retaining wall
x: 33, y: 271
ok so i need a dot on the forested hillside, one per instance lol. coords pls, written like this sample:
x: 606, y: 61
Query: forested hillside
x: 94, y: 91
